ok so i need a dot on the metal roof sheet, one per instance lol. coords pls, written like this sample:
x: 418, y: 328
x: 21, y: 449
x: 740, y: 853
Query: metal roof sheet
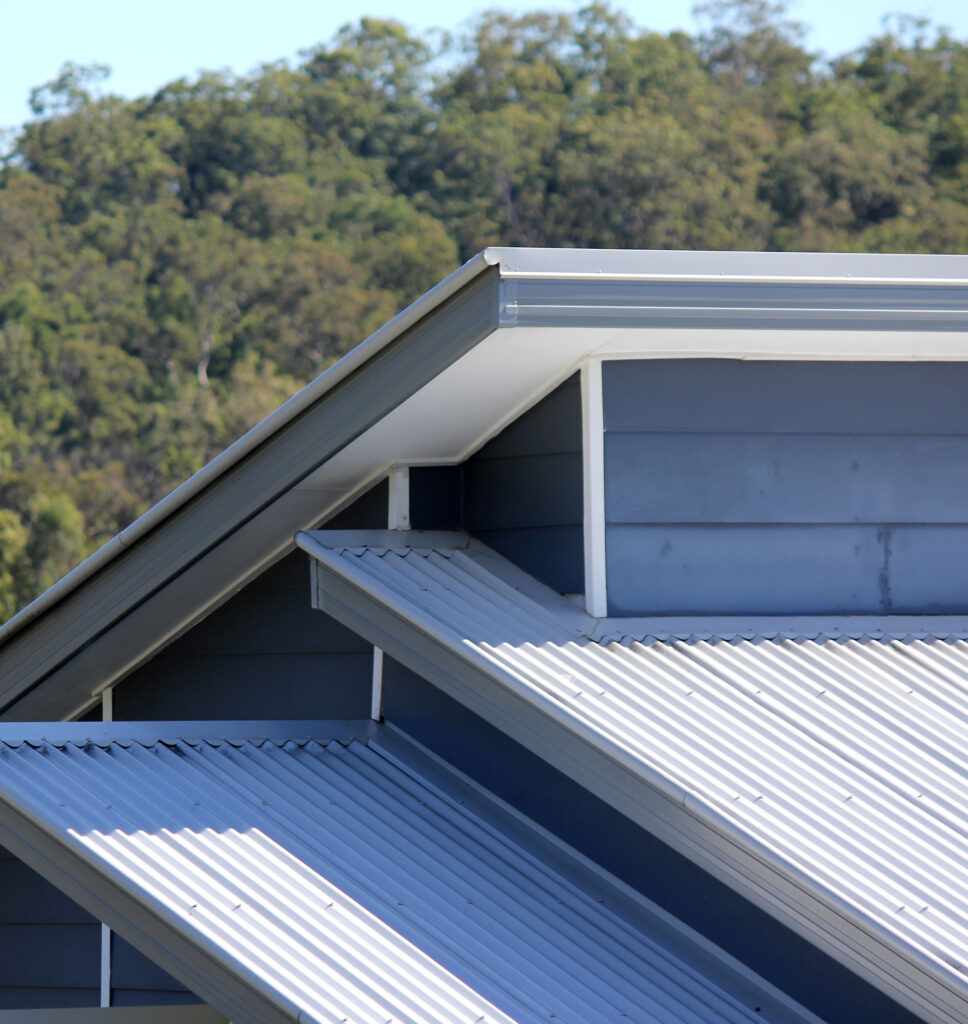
x: 841, y: 763
x: 355, y: 879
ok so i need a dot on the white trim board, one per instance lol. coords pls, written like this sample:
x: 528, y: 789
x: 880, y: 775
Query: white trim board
x: 593, y: 487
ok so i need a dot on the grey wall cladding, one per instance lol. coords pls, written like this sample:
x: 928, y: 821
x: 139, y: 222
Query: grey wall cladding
x: 265, y: 653
x: 522, y: 492
x: 136, y: 981
x: 50, y: 949
x: 758, y: 487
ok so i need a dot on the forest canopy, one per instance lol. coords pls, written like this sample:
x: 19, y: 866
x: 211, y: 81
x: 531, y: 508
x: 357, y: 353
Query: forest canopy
x: 174, y: 266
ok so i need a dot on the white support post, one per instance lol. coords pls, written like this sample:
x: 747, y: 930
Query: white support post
x: 107, y: 704
x: 107, y: 715
x: 399, y: 511
x: 105, y: 965
x: 593, y: 453
x: 376, y: 698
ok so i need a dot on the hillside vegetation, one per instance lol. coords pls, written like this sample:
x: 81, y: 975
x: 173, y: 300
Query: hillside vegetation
x: 173, y: 267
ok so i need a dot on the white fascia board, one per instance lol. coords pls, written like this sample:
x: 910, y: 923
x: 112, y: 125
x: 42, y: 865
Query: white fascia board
x: 832, y: 346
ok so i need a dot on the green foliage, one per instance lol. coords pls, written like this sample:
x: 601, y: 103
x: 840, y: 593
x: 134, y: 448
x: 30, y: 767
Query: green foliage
x: 173, y: 267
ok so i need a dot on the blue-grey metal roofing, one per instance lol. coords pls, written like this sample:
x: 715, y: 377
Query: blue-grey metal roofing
x: 351, y: 879
x: 825, y: 778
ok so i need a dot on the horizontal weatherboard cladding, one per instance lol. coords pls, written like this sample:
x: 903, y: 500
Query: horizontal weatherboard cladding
x: 764, y: 487
x: 436, y: 498
x: 136, y: 981
x: 770, y: 478
x: 764, y: 396
x: 787, y: 569
x: 49, y: 946
x: 264, y: 654
x: 522, y: 492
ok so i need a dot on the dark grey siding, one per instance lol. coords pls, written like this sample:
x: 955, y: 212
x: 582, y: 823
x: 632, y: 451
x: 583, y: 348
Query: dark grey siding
x: 786, y: 487
x: 50, y: 949
x: 542, y: 793
x: 437, y: 497
x: 136, y: 981
x: 522, y: 492
x: 265, y: 653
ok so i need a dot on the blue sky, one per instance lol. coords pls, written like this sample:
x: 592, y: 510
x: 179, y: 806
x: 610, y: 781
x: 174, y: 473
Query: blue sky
x: 150, y: 44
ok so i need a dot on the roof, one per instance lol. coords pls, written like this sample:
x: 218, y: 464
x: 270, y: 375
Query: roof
x: 346, y: 875
x: 430, y: 388
x: 820, y: 775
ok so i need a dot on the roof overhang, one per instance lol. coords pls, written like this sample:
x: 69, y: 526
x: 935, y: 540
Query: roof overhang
x: 431, y: 387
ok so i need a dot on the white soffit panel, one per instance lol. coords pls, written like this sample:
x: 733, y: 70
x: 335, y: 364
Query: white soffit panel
x: 472, y: 400
x: 358, y: 880
x: 838, y: 766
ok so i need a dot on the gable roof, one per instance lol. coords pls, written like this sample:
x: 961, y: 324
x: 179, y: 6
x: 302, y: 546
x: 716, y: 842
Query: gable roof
x: 433, y: 385
x: 346, y: 875
x: 821, y: 776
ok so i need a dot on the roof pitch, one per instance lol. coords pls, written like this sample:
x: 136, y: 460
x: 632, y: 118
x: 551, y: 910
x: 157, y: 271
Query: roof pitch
x: 352, y: 879
x: 824, y: 778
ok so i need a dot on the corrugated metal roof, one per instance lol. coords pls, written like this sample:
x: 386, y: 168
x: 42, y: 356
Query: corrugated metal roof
x: 845, y: 763
x: 359, y: 880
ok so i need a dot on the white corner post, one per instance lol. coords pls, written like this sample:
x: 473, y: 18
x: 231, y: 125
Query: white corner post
x: 107, y: 715
x: 593, y: 480
x: 399, y: 511
x: 105, y: 965
x: 398, y: 518
x: 107, y: 704
x: 376, y: 698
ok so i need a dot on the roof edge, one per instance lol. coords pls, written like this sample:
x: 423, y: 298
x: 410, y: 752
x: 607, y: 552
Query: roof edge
x: 249, y: 441
x: 192, y: 733
x: 726, y: 266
